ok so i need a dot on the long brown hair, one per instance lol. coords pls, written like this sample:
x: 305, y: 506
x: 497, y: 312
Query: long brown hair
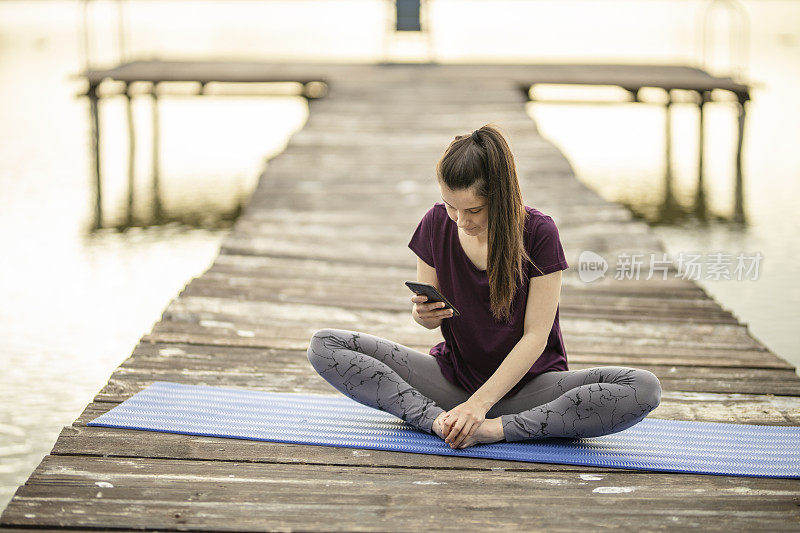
x: 488, y: 165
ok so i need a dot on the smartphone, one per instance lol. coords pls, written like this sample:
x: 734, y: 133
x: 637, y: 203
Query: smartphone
x: 432, y: 294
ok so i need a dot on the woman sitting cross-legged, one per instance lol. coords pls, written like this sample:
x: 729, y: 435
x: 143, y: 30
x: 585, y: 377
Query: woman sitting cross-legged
x: 501, y: 372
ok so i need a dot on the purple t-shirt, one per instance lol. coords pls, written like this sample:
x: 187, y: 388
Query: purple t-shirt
x: 475, y: 344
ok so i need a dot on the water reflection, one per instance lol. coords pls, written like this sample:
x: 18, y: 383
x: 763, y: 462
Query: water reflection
x: 153, y: 213
x: 670, y: 212
x: 670, y: 201
x: 147, y: 204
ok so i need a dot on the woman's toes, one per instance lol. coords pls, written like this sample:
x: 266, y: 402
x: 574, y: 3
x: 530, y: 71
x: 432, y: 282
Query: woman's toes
x: 437, y: 426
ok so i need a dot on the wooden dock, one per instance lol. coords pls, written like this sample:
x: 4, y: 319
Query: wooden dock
x: 394, y: 78
x: 337, y: 206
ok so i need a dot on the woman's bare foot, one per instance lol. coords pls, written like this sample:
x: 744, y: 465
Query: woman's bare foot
x: 437, y: 425
x: 490, y: 431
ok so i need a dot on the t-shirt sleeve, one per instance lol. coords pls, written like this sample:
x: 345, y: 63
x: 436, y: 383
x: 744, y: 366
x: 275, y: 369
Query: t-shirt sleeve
x: 546, y: 250
x: 422, y: 241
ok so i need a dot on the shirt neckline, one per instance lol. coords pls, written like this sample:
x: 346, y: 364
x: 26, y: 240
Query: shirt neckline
x: 463, y: 252
x: 454, y: 227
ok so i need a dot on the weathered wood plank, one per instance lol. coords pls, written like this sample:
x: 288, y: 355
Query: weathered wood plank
x: 763, y: 409
x: 376, y: 296
x: 305, y: 201
x: 589, y: 357
x: 378, y: 253
x: 300, y: 378
x: 266, y: 268
x: 242, y: 312
x: 381, y: 297
x: 266, y: 287
x: 589, y: 351
x: 214, y: 495
x: 214, y: 328
x: 80, y: 439
x: 211, y: 356
x: 189, y: 360
x: 586, y: 353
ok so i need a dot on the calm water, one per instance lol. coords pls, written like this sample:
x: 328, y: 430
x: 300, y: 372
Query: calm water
x: 75, y: 304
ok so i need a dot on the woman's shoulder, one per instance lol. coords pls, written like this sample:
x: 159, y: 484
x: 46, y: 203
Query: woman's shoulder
x: 434, y: 213
x: 537, y: 219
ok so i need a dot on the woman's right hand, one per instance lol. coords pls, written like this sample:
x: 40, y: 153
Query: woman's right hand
x: 431, y: 312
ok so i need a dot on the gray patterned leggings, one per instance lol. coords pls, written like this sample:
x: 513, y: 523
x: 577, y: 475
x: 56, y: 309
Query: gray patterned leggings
x: 408, y: 384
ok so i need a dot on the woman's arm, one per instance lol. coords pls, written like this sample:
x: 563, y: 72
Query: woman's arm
x: 543, y: 296
x: 426, y: 274
x: 540, y: 312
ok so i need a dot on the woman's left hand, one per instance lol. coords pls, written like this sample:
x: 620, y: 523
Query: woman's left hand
x: 462, y: 421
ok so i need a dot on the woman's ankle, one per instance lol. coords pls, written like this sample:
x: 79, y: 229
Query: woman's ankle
x: 500, y: 433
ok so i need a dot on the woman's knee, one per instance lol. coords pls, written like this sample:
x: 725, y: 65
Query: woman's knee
x: 324, y: 333
x: 648, y: 388
x: 316, y: 352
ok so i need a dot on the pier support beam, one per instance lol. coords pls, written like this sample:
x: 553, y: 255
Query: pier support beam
x: 95, y: 142
x: 158, y: 214
x: 700, y: 208
x: 670, y: 210
x: 131, y: 154
x: 738, y: 209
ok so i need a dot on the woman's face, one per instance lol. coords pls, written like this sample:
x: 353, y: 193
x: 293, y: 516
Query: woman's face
x: 469, y: 212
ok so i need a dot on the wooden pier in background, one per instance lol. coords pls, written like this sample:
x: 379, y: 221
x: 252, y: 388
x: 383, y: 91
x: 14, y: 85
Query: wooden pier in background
x: 337, y: 206
x: 313, y: 79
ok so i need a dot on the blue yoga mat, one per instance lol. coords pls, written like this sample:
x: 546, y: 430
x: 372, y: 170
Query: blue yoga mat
x: 652, y: 444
